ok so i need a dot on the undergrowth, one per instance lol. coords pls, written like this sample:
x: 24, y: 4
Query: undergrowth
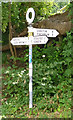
x: 52, y: 76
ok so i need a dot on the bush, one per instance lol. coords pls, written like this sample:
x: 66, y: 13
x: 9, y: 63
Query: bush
x: 52, y: 72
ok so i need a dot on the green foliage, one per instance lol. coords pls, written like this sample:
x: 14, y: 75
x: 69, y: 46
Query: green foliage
x: 19, y: 9
x: 52, y: 75
x: 18, y: 15
x: 52, y: 72
x: 5, y: 14
x: 16, y: 89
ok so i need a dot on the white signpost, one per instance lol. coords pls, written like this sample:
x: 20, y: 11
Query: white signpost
x: 29, y: 40
x: 46, y: 32
x: 35, y: 36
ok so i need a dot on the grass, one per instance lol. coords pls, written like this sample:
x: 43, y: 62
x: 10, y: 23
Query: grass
x: 25, y: 112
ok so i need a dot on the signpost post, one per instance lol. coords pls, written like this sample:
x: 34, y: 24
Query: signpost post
x: 35, y: 36
x: 30, y: 34
x: 30, y: 72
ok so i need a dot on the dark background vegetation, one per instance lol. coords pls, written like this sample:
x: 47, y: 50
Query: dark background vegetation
x: 52, y: 67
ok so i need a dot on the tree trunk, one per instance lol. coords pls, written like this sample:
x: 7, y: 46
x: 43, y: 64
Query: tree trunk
x: 10, y: 32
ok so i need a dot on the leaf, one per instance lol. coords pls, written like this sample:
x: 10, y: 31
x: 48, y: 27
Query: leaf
x: 67, y: 72
x: 68, y: 59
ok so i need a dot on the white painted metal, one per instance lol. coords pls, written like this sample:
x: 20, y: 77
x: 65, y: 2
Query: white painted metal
x: 29, y: 40
x: 30, y: 76
x: 40, y: 40
x: 45, y: 32
x: 30, y: 20
x: 19, y: 41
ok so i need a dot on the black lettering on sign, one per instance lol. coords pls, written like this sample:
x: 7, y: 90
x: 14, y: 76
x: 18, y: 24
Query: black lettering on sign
x: 15, y: 42
x: 52, y: 33
x: 36, y: 41
x: 47, y: 35
x: 41, y: 34
x: 39, y: 30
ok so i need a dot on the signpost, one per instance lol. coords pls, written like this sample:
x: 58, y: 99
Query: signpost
x: 35, y: 36
x: 29, y: 40
x: 46, y: 32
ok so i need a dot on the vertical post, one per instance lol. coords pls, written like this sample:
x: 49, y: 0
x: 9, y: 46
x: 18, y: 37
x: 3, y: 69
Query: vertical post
x: 30, y: 35
x: 30, y: 72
